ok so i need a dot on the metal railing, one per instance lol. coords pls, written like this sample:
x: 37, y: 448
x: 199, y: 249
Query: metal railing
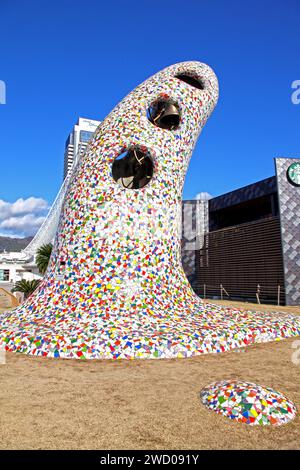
x: 259, y: 293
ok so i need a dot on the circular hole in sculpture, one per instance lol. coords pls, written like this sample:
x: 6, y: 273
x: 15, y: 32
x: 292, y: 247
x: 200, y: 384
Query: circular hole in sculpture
x: 164, y: 114
x: 133, y: 169
x: 191, y: 80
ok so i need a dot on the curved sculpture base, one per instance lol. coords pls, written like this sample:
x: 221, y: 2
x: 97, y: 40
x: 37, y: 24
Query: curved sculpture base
x: 248, y: 403
x: 207, y: 328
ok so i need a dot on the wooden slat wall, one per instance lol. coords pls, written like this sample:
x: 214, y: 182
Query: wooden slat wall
x: 240, y: 258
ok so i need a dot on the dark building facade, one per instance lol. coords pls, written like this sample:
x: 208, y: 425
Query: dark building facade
x: 247, y: 245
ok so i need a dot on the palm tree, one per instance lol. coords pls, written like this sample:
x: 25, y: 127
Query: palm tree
x: 43, y: 256
x: 26, y: 287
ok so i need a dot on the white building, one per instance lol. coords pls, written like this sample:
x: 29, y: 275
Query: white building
x: 77, y: 141
x: 15, y: 266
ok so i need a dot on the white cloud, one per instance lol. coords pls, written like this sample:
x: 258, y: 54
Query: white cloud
x: 22, y: 217
x: 204, y: 196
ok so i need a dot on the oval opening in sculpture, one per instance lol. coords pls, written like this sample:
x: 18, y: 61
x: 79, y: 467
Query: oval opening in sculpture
x: 164, y: 114
x: 191, y: 80
x: 133, y: 169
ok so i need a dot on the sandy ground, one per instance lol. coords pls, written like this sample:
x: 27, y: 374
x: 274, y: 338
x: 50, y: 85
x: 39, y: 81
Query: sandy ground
x: 143, y: 404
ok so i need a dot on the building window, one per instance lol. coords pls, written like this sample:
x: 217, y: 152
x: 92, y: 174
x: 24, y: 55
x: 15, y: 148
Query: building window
x: 85, y: 136
x: 4, y: 275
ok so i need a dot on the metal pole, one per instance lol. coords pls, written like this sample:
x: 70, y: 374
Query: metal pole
x: 204, y: 291
x: 278, y: 295
x: 224, y: 290
x: 221, y: 291
x: 257, y: 294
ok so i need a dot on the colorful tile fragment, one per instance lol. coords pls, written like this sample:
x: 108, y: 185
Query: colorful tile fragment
x: 115, y: 287
x: 248, y: 403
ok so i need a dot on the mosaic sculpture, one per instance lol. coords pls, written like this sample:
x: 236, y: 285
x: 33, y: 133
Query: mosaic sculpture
x: 115, y: 287
x: 248, y: 403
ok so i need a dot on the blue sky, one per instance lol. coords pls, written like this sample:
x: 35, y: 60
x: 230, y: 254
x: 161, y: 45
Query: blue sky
x: 63, y: 59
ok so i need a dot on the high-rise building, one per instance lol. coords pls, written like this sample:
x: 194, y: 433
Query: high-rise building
x: 77, y: 141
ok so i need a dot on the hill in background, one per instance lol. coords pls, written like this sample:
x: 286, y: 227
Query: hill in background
x: 13, y: 244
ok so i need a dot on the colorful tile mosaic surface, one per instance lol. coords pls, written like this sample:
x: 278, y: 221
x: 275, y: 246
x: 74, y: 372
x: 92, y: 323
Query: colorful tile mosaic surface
x: 248, y: 403
x: 115, y: 287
